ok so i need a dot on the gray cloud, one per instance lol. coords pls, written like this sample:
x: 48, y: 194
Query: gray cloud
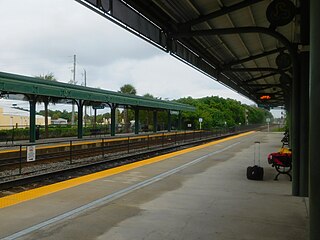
x: 41, y: 36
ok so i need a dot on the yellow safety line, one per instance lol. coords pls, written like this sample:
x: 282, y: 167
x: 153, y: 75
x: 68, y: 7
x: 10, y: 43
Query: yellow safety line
x: 45, y: 190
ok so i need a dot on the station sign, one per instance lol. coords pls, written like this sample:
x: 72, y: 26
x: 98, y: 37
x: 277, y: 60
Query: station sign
x: 174, y: 112
x: 98, y: 107
x: 200, y: 120
x: 31, y: 153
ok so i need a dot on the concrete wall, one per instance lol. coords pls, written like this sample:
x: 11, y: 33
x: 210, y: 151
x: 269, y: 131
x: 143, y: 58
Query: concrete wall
x: 15, y: 117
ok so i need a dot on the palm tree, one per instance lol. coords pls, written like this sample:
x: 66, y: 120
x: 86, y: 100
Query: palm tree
x: 127, y: 89
x: 46, y: 100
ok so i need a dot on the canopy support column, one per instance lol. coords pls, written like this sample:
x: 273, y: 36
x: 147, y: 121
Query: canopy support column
x: 136, y: 121
x: 179, y: 121
x: 155, y: 121
x: 80, y: 118
x: 113, y: 119
x: 314, y: 114
x: 295, y: 132
x: 32, y: 122
x: 304, y: 124
x: 169, y: 121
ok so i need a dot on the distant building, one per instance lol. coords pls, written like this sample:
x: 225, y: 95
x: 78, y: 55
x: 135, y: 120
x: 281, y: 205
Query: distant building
x: 59, y: 121
x: 10, y: 117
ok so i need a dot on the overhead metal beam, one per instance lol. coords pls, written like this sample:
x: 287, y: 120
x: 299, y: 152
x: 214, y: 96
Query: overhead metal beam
x: 247, y: 30
x: 263, y: 85
x: 254, y: 57
x: 261, y: 77
x: 259, y: 69
x: 278, y: 93
x: 265, y: 88
x: 239, y: 30
x: 222, y: 11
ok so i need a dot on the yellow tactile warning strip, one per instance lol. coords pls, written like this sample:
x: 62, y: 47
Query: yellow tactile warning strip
x: 45, y: 190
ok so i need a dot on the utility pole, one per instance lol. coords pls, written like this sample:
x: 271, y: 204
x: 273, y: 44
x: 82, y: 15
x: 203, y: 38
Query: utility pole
x: 73, y: 82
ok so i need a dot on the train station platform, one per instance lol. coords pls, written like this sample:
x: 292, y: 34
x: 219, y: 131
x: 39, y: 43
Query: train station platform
x: 196, y: 193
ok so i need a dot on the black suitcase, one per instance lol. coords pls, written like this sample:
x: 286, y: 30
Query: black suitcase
x: 255, y: 172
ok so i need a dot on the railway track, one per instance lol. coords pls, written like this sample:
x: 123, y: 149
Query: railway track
x: 75, y: 150
x: 101, y: 155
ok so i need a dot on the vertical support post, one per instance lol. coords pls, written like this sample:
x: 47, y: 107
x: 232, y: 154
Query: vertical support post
x: 295, y: 132
x: 304, y: 124
x: 113, y: 120
x: 162, y: 140
x: 155, y: 121
x: 102, y: 143
x: 175, y: 138
x: 95, y: 119
x: 136, y: 121
x: 32, y: 122
x: 128, y: 145
x: 70, y: 152
x: 169, y: 121
x: 179, y: 121
x: 20, y: 160
x: 304, y: 97
x: 80, y: 118
x: 314, y: 127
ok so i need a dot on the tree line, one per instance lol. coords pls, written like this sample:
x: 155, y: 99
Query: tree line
x: 214, y: 111
x: 219, y: 112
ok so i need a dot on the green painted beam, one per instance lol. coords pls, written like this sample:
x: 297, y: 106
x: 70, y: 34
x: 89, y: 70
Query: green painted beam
x: 13, y: 83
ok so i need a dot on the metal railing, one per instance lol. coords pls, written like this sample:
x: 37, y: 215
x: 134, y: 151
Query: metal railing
x: 30, y: 158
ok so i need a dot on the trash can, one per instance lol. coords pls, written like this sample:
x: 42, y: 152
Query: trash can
x: 37, y: 132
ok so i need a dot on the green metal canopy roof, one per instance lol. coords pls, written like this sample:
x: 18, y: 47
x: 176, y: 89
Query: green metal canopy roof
x: 247, y: 45
x: 12, y: 83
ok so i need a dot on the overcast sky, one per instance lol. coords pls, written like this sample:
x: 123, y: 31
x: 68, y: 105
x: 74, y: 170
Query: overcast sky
x: 41, y: 36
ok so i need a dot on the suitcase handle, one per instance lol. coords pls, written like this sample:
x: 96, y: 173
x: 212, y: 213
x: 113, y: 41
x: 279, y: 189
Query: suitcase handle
x: 254, y: 154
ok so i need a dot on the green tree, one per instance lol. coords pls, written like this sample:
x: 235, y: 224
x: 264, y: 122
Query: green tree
x: 148, y: 95
x: 218, y: 112
x: 146, y: 116
x: 127, y: 89
x: 46, y: 100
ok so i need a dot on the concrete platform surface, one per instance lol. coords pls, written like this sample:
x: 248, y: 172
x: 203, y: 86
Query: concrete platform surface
x: 201, y: 194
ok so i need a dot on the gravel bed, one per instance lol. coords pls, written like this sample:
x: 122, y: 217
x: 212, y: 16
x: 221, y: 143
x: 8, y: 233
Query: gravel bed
x: 36, y: 168
x: 64, y: 170
x: 106, y: 163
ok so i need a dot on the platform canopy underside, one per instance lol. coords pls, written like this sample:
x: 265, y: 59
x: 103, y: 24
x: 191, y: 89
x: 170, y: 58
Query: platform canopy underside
x: 244, y: 44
